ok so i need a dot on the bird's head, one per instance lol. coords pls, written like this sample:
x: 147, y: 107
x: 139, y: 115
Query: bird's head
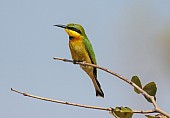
x: 73, y: 30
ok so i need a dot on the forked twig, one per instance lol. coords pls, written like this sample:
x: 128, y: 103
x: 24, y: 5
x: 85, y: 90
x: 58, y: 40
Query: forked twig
x: 144, y: 93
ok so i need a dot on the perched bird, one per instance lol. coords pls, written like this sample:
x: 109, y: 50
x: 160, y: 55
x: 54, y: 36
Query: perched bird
x: 82, y: 50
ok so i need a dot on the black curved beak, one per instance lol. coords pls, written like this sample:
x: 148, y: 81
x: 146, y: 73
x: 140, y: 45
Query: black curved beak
x: 62, y: 26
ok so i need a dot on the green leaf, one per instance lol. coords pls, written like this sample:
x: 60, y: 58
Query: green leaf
x: 137, y: 81
x: 151, y: 89
x: 122, y: 112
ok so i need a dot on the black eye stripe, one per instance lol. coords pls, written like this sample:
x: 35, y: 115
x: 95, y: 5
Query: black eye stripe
x: 74, y: 29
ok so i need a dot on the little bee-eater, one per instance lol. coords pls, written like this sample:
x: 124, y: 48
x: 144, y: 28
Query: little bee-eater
x: 82, y: 50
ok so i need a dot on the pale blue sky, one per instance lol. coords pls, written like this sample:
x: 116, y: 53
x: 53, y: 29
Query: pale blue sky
x: 129, y: 37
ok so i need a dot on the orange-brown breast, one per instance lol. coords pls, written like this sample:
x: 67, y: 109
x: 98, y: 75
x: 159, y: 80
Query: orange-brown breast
x: 79, y: 53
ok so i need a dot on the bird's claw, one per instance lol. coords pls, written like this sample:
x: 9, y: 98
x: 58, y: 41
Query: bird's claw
x: 84, y: 63
x: 75, y: 62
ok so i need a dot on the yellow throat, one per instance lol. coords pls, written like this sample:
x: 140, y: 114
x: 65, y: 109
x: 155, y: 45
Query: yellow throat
x: 72, y: 33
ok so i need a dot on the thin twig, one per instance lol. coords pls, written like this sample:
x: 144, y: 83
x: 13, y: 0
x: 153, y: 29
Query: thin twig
x: 156, y: 108
x: 61, y: 102
x: 78, y: 105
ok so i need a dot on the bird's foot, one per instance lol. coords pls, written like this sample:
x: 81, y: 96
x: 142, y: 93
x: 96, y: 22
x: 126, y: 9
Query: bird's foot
x: 84, y: 63
x: 75, y: 61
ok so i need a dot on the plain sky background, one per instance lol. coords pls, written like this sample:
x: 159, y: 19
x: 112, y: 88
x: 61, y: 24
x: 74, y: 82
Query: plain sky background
x: 130, y: 37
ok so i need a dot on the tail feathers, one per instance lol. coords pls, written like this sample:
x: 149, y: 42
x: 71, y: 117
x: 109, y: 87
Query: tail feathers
x: 99, y: 93
x: 98, y: 89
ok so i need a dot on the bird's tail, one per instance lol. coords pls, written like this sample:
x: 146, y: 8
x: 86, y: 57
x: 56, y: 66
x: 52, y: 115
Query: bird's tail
x: 98, y: 89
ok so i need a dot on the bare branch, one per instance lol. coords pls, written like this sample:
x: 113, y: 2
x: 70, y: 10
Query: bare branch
x: 61, y: 102
x: 78, y: 105
x: 156, y: 108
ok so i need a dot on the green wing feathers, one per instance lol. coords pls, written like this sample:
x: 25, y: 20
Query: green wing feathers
x: 91, y: 53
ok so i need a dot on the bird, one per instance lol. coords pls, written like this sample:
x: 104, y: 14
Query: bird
x: 81, y: 50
